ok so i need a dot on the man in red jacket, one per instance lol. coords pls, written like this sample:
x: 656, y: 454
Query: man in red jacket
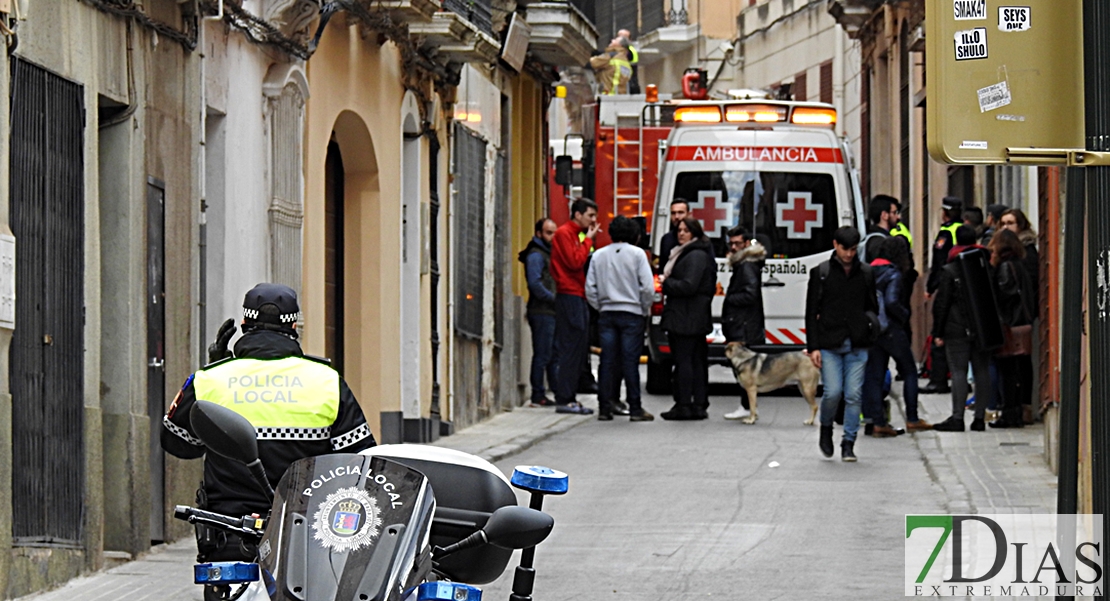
x: 569, y: 253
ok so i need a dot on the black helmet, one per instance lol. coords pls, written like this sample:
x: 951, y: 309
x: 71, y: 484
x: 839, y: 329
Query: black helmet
x: 271, y: 304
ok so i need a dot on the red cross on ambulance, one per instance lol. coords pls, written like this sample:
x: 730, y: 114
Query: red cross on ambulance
x: 713, y: 211
x: 799, y: 215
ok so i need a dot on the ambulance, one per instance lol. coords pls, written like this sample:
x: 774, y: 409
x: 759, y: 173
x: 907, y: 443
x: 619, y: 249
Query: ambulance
x: 774, y: 167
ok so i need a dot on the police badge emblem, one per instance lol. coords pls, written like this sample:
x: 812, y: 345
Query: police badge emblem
x: 347, y: 520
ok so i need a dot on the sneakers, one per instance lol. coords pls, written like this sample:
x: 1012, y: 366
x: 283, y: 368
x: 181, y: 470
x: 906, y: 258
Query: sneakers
x: 740, y: 413
x: 848, y: 451
x: 574, y: 408
x: 826, y: 442
x: 952, y: 424
x: 918, y: 426
x: 641, y: 416
x: 977, y: 425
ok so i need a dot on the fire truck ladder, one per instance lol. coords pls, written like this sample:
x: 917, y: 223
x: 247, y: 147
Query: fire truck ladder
x: 638, y: 143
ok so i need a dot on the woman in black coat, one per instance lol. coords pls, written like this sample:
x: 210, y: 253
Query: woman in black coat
x: 689, y: 283
x: 1015, y: 308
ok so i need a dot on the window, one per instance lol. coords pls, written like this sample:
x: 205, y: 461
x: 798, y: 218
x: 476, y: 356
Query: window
x: 470, y: 232
x: 794, y: 214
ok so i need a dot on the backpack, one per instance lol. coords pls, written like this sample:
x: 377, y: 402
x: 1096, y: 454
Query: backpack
x: 863, y: 245
x: 875, y: 324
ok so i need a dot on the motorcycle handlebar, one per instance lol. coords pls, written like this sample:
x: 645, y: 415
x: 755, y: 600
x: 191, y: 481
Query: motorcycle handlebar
x: 248, y: 525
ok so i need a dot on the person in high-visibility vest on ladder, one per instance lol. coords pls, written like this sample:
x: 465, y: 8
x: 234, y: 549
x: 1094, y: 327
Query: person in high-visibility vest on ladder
x: 633, y: 59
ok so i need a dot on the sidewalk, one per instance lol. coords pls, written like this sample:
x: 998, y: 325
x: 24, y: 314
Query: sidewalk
x: 996, y: 471
x: 165, y: 573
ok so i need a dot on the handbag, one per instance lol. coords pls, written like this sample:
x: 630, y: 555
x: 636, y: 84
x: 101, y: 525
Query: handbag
x: 1017, y: 341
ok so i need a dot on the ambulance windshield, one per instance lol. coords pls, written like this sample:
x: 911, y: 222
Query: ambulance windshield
x: 793, y: 214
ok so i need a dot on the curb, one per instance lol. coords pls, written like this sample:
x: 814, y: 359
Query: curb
x: 521, y: 443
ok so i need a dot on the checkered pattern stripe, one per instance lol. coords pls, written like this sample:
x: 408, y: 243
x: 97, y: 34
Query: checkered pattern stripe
x: 181, y: 433
x: 350, y: 438
x: 286, y: 318
x: 289, y: 317
x: 293, y: 433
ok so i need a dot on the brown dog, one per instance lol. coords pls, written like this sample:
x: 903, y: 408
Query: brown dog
x: 760, y: 372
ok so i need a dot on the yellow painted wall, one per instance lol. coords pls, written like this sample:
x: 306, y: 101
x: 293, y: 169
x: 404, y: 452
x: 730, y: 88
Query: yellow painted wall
x: 356, y: 92
x: 529, y: 197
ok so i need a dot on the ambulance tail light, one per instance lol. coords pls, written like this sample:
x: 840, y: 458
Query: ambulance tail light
x: 755, y: 113
x: 698, y: 114
x: 805, y: 115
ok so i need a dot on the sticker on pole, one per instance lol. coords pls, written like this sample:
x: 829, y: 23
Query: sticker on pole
x: 1015, y: 18
x: 971, y: 44
x: 969, y: 10
x: 993, y: 97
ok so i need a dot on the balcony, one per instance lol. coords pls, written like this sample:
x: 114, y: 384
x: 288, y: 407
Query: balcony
x: 451, y: 38
x: 852, y: 14
x: 409, y: 11
x: 667, y: 40
x: 478, y: 12
x: 561, y: 34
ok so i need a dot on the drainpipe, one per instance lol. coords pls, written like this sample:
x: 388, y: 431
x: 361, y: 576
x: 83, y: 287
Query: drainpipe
x: 202, y: 192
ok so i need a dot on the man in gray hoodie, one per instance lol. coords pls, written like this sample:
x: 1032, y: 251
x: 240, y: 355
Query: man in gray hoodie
x: 620, y: 286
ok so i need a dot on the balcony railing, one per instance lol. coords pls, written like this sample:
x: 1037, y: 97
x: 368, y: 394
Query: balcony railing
x: 477, y: 12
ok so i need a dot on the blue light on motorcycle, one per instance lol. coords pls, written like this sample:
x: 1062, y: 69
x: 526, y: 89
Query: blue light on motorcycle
x: 536, y: 478
x: 448, y: 591
x: 227, y: 572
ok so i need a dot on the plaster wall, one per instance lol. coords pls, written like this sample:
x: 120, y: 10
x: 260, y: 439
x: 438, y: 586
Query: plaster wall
x: 356, y: 93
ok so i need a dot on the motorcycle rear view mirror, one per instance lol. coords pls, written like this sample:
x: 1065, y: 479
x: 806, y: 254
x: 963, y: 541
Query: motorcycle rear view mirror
x: 231, y: 435
x: 224, y: 431
x: 515, y: 527
x: 509, y: 527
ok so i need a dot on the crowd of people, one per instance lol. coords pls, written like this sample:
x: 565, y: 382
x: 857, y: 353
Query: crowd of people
x: 858, y: 315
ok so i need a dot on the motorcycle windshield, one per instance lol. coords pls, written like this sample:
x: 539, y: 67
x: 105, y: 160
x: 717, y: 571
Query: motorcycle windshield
x: 347, y: 527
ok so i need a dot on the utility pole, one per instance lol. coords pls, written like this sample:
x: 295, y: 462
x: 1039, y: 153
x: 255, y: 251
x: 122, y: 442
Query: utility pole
x: 1096, y: 43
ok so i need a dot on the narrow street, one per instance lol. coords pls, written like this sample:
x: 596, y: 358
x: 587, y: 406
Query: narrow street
x: 691, y: 510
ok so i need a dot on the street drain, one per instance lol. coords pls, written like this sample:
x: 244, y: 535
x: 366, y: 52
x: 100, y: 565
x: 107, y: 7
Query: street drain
x: 1013, y: 444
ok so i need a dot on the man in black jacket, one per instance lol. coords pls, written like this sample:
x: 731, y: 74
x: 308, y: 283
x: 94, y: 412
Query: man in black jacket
x: 679, y: 210
x: 742, y: 315
x: 839, y: 330
x: 952, y: 210
x: 952, y: 332
x: 536, y: 258
x: 299, y: 405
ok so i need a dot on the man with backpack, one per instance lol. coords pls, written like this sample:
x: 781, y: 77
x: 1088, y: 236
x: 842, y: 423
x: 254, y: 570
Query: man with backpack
x: 841, y: 323
x: 882, y: 213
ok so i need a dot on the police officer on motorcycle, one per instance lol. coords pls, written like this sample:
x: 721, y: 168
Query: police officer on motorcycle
x: 299, y: 405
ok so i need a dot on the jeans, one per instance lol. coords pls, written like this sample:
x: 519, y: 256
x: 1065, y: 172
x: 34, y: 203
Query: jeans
x: 622, y: 339
x: 962, y: 351
x: 572, y: 334
x: 842, y: 374
x: 691, y: 370
x: 892, y: 344
x: 544, y: 360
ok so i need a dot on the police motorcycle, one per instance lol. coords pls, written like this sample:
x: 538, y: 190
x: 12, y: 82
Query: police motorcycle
x: 393, y: 523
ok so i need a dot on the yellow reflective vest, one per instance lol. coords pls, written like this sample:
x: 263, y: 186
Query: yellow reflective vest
x: 292, y: 392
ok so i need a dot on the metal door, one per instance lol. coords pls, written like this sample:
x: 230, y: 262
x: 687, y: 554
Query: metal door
x: 156, y: 347
x: 47, y: 352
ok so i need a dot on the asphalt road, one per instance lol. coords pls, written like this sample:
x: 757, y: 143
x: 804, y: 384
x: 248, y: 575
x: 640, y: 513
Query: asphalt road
x: 695, y: 510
